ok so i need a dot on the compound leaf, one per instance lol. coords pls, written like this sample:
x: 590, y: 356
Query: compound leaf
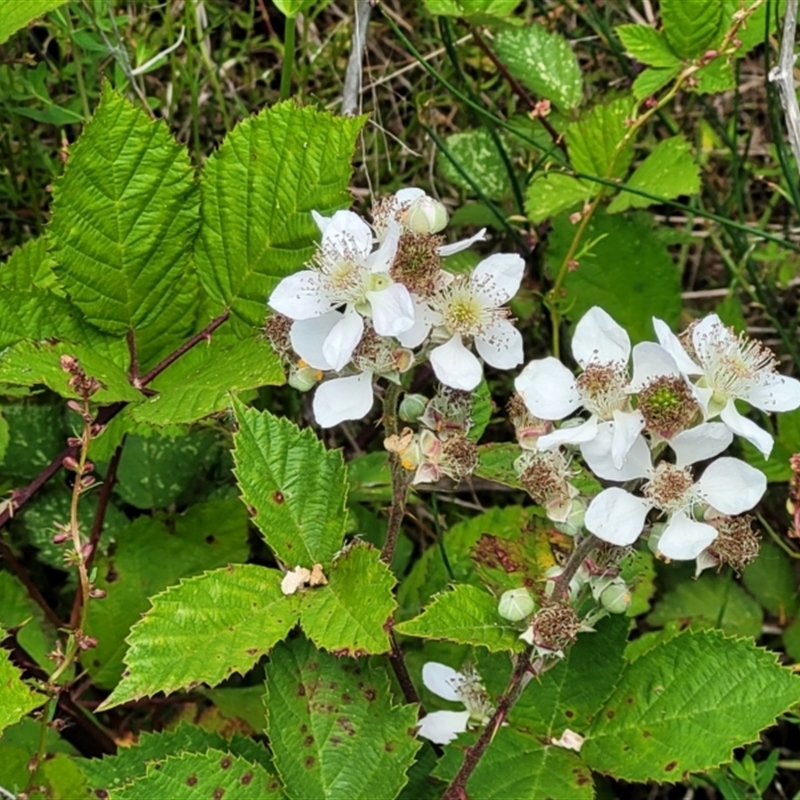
x: 691, y: 25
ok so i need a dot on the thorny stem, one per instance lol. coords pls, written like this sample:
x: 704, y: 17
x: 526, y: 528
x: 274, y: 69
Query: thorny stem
x: 401, y: 671
x: 579, y: 554
x: 104, y: 416
x: 635, y: 125
x: 399, y: 485
x: 457, y: 790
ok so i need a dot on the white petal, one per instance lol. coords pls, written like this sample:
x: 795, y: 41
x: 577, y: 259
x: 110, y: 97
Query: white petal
x: 651, y: 361
x: 441, y: 727
x: 627, y: 427
x: 442, y: 680
x: 381, y: 260
x: 424, y: 319
x: 616, y: 516
x: 573, y: 434
x: 392, y: 310
x: 347, y: 234
x: 497, y: 278
x: 343, y: 398
x: 704, y: 441
x: 598, y: 456
x: 731, y: 486
x: 308, y: 336
x: 670, y: 342
x: 455, y: 366
x: 774, y: 392
x: 548, y: 389
x: 599, y: 339
x: 322, y: 222
x: 709, y: 334
x: 747, y: 429
x: 451, y: 249
x: 342, y: 340
x: 501, y: 345
x: 684, y: 539
x: 703, y: 395
x: 300, y: 296
x: 407, y: 195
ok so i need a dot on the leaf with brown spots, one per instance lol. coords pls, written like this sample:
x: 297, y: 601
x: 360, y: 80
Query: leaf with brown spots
x: 200, y: 776
x: 342, y: 737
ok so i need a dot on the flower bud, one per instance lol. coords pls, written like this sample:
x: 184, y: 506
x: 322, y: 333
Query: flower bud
x: 425, y: 215
x: 616, y: 598
x: 412, y: 407
x: 516, y: 604
x: 303, y: 378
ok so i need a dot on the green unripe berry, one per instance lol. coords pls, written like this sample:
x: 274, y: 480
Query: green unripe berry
x: 516, y: 604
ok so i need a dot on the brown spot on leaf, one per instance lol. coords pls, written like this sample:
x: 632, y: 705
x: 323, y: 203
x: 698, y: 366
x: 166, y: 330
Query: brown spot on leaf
x: 369, y: 694
x: 347, y: 698
x: 102, y: 794
x: 489, y: 553
x: 671, y: 766
x: 112, y: 575
x: 346, y: 725
x: 278, y: 497
x: 335, y: 741
x: 191, y: 780
x: 312, y: 666
x: 246, y: 778
x: 646, y: 734
x: 309, y: 762
x: 629, y: 700
x: 582, y: 779
x: 389, y: 747
x: 218, y: 793
x: 210, y: 539
x: 301, y: 690
x: 308, y: 741
x: 611, y: 713
x: 226, y: 762
x: 569, y: 714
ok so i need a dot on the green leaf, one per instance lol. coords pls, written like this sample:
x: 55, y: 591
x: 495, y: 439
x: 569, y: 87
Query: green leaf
x: 467, y: 615
x: 592, y: 141
x: 651, y: 80
x: 29, y: 364
x: 629, y: 273
x: 16, y: 698
x: 476, y: 153
x: 157, y: 468
x: 17, y: 611
x: 241, y: 703
x: 200, y: 776
x: 297, y: 488
x: 496, y: 463
x: 152, y: 554
x: 124, y: 219
x: 204, y: 630
x: 336, y: 617
x: 201, y: 381
x: 770, y: 579
x: 37, y: 434
x: 471, y: 8
x: 669, y: 171
x: 333, y: 727
x: 113, y: 772
x: 543, y: 62
x: 718, y: 76
x: 518, y: 765
x: 570, y: 694
x: 15, y: 15
x: 550, y: 193
x: 291, y: 8
x: 691, y: 25
x: 258, y: 191
x: 710, y: 601
x: 656, y: 726
x: 429, y: 574
x: 647, y: 45
x: 756, y: 28
x: 28, y: 267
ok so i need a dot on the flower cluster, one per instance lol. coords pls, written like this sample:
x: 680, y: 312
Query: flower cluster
x: 375, y: 300
x: 647, y: 415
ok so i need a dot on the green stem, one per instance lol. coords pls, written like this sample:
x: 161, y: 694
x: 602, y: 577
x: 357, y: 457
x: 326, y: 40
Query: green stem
x: 399, y: 484
x: 288, y: 58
